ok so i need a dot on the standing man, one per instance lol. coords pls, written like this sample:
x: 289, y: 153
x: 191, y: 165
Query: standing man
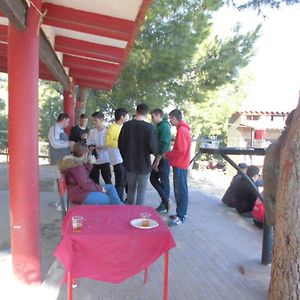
x: 80, y: 132
x: 96, y: 140
x: 59, y: 144
x: 160, y: 173
x: 137, y: 141
x: 179, y: 158
x: 112, y: 136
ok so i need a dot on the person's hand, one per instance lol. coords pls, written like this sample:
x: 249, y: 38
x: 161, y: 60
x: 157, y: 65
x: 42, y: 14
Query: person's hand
x: 84, y: 136
x: 91, y: 159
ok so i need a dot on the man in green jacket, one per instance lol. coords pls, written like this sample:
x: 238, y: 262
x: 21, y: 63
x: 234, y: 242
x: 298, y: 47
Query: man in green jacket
x: 159, y: 176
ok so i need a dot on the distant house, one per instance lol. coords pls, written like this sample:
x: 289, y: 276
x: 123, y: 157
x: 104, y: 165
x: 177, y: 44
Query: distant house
x: 255, y: 129
x: 247, y: 126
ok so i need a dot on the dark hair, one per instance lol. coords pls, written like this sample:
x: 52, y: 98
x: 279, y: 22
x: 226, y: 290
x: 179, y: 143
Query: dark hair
x: 98, y: 115
x: 120, y: 112
x: 80, y: 148
x: 157, y: 111
x: 142, y: 109
x: 176, y: 113
x: 62, y: 116
x: 83, y: 116
x: 252, y: 171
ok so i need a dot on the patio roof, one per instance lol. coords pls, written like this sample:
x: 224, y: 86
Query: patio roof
x: 85, y: 41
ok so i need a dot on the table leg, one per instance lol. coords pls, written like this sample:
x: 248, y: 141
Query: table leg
x: 146, y: 275
x: 166, y: 275
x: 70, y: 291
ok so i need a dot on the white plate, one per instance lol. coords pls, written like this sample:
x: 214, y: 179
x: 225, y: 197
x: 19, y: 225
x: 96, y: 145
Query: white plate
x: 138, y: 224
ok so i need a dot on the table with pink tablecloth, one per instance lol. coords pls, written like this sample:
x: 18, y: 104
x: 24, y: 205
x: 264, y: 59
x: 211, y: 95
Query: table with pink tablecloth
x: 109, y: 248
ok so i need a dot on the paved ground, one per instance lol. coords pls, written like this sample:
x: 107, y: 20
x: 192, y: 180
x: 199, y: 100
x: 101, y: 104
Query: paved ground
x: 217, y: 254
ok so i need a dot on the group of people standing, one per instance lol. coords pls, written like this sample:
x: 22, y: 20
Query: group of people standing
x: 127, y: 146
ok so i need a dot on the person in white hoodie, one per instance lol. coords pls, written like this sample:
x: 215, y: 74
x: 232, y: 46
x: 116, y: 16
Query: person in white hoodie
x: 96, y: 140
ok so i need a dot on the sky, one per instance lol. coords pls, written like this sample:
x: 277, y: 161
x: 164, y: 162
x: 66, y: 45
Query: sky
x: 276, y: 66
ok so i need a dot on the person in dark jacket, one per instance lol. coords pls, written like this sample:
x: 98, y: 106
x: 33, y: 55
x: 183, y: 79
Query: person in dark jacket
x: 82, y: 189
x: 137, y: 140
x: 245, y: 195
x: 80, y: 132
x: 229, y: 196
x: 179, y: 158
x: 160, y: 173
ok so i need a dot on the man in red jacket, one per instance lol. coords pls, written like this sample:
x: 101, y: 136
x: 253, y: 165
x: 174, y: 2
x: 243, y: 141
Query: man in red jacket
x: 179, y: 158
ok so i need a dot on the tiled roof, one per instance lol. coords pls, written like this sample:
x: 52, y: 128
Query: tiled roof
x: 266, y: 113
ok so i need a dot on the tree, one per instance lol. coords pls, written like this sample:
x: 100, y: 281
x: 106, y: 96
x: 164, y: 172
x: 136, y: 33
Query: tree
x: 80, y: 108
x: 51, y: 104
x: 260, y: 4
x: 285, y: 272
x: 177, y: 58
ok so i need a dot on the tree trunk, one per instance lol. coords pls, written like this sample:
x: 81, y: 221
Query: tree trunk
x: 285, y: 275
x: 81, y: 102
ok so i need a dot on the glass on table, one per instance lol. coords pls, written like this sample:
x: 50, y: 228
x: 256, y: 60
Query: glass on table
x: 145, y: 216
x: 77, y: 223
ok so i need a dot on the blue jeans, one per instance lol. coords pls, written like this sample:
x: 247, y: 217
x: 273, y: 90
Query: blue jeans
x: 160, y: 180
x: 137, y: 184
x: 98, y: 198
x: 180, y: 191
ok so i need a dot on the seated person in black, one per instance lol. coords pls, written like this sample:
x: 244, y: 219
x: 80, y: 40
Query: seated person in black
x: 245, y: 196
x: 80, y: 132
x: 229, y: 196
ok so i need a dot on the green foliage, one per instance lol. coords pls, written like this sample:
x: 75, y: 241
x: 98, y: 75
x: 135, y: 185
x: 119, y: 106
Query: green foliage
x: 177, y: 59
x: 259, y: 5
x: 51, y: 104
x: 3, y: 116
x: 209, y: 119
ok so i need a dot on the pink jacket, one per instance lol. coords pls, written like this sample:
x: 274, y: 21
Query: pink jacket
x: 77, y: 173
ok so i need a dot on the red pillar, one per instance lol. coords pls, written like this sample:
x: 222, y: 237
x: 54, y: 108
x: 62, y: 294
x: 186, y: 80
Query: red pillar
x: 69, y: 106
x: 23, y: 68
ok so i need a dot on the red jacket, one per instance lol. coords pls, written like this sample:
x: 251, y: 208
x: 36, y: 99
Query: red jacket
x: 180, y: 155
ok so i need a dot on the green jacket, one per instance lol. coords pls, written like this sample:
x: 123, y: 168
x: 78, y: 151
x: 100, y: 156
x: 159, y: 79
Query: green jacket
x: 164, y: 137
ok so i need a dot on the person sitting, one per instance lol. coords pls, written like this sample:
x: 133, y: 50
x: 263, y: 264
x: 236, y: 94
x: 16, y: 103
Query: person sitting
x: 258, y: 212
x: 229, y: 196
x: 82, y: 189
x: 245, y: 195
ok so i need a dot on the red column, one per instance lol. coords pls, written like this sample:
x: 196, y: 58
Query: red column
x: 69, y: 106
x: 23, y: 68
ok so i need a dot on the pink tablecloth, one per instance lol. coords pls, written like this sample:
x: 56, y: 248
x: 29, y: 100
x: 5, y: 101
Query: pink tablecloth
x: 108, y: 248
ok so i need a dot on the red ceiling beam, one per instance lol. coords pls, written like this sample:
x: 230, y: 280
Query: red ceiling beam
x: 88, y: 49
x: 138, y: 22
x: 46, y: 76
x: 92, y: 75
x: 89, y: 64
x: 94, y: 85
x: 3, y: 50
x: 3, y: 33
x: 78, y: 20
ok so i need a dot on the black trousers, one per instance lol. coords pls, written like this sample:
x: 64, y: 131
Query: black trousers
x: 105, y: 173
x: 120, y: 179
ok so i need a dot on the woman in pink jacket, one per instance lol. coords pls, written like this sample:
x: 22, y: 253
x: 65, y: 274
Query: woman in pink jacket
x: 82, y: 189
